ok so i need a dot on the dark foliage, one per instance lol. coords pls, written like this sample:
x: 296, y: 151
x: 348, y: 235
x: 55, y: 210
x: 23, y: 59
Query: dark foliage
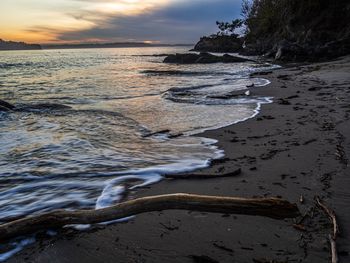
x: 228, y: 29
x: 305, y: 24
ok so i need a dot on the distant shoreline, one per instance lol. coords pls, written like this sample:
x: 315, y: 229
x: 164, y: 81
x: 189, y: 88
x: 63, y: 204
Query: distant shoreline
x: 15, y: 46
x: 110, y: 45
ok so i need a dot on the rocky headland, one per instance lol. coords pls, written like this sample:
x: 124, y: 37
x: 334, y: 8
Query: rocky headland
x: 286, y: 31
x: 11, y: 45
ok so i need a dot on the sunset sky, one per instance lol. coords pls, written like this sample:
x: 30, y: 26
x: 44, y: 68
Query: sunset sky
x: 72, y: 21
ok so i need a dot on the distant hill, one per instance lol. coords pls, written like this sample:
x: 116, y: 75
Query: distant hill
x: 106, y: 45
x: 11, y: 45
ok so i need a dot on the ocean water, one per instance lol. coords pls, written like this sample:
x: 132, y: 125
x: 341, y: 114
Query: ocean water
x: 106, y: 145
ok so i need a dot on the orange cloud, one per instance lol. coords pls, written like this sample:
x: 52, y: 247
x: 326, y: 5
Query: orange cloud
x: 42, y: 21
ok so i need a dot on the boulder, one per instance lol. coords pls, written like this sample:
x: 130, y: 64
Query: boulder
x: 5, y: 106
x: 44, y: 107
x: 189, y: 58
x: 288, y: 51
x: 220, y: 44
x: 202, y: 58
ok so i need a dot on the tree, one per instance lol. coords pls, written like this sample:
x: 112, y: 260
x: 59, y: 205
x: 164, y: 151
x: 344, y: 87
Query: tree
x: 229, y: 28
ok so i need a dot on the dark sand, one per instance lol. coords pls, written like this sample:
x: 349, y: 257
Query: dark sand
x: 297, y: 146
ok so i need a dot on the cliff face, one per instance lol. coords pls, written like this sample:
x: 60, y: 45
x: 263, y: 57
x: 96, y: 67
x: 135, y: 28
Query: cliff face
x: 299, y: 30
x: 10, y: 45
x: 221, y: 44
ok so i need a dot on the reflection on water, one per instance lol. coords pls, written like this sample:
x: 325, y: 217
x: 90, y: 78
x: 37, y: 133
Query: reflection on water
x: 88, y: 155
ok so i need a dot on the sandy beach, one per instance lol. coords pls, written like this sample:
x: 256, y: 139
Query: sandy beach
x: 296, y: 148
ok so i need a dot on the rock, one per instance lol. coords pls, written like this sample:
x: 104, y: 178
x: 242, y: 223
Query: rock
x: 3, y: 109
x: 5, y: 106
x: 220, y: 44
x: 298, y: 31
x: 44, y: 107
x: 230, y: 95
x: 202, y: 58
x: 288, y: 51
x: 181, y: 58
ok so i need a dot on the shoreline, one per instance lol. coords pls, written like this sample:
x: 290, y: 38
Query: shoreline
x: 287, y: 150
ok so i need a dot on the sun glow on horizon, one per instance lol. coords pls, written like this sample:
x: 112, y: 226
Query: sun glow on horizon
x: 42, y: 21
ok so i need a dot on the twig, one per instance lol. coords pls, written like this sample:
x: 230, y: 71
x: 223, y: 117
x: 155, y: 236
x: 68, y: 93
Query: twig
x: 332, y: 216
x: 332, y: 238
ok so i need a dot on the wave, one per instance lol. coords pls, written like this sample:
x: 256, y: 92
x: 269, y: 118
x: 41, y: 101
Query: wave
x: 102, y: 146
x: 218, y: 94
x: 15, y: 65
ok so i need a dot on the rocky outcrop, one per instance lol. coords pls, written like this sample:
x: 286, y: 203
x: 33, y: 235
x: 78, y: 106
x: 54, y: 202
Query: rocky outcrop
x: 298, y: 30
x: 287, y: 50
x: 10, y: 45
x: 202, y: 58
x: 220, y: 44
x: 5, y: 106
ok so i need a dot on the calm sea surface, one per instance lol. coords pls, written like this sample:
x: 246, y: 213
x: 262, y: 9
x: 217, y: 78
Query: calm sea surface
x: 90, y: 155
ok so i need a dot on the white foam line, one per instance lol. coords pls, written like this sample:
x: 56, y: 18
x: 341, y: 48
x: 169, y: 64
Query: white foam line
x: 257, y: 110
x: 18, y: 246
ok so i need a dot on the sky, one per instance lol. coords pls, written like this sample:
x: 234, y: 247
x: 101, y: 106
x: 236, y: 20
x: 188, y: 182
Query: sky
x: 86, y: 21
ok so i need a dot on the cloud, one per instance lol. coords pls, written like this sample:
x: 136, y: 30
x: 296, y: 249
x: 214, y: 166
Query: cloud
x: 168, y: 21
x: 176, y: 22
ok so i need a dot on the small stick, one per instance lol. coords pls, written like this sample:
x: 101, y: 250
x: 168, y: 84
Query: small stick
x: 332, y: 238
x: 333, y: 249
x: 332, y: 216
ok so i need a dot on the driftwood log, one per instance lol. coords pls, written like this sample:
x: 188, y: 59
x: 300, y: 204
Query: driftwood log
x: 268, y: 207
x: 332, y: 238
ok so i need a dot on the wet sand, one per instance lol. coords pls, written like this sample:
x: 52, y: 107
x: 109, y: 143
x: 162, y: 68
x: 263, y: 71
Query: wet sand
x: 296, y: 147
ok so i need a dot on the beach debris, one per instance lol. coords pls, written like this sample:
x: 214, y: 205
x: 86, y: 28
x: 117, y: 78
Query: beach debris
x: 261, y: 260
x: 203, y: 259
x: 219, y: 245
x: 333, y: 237
x: 203, y: 176
x: 268, y: 207
x: 299, y: 227
x: 262, y: 73
x: 230, y: 95
x: 282, y: 101
x: 310, y: 141
x: 165, y: 131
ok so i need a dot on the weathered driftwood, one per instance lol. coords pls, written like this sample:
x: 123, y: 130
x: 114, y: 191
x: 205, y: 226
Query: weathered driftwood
x: 333, y: 249
x: 203, y: 176
x: 268, y: 207
x: 332, y: 217
x: 332, y: 238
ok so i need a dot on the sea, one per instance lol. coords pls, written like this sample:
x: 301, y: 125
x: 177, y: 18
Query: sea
x: 111, y: 121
